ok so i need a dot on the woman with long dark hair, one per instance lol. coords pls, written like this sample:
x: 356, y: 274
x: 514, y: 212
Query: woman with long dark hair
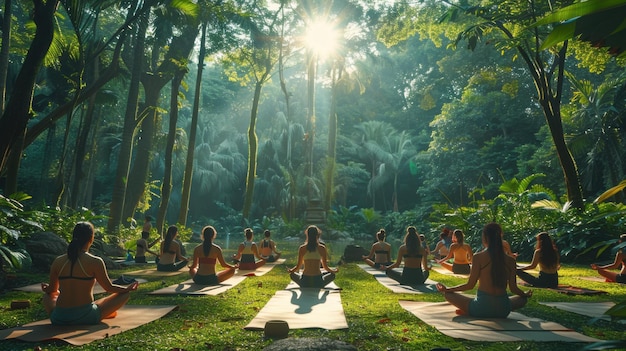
x: 171, y: 258
x: 416, y: 269
x: 461, y: 252
x: 380, y: 253
x: 68, y: 297
x: 493, y: 270
x: 547, y: 257
x: 205, y: 257
x: 312, y: 254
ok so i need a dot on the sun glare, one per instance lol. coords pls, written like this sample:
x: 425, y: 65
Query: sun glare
x: 321, y: 38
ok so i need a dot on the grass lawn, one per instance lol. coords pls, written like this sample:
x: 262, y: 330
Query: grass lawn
x: 376, y: 320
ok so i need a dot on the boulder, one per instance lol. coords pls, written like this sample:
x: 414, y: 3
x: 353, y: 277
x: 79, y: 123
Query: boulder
x: 309, y: 344
x: 44, y: 247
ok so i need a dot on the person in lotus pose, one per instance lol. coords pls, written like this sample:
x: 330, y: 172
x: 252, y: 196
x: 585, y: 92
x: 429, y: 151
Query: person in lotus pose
x: 268, y: 248
x: 416, y: 269
x: 380, y: 253
x: 205, y: 257
x: 312, y: 254
x: 547, y: 257
x: 68, y: 297
x: 171, y: 259
x: 461, y: 252
x: 493, y: 270
x: 620, y: 261
x: 248, y: 253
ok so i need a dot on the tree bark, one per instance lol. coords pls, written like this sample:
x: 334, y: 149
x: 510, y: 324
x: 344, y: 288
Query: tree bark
x: 4, y: 51
x: 166, y: 186
x: 18, y: 109
x: 253, y: 144
x: 193, y: 131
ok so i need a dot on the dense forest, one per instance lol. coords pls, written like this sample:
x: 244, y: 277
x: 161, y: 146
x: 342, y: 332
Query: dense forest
x: 240, y: 112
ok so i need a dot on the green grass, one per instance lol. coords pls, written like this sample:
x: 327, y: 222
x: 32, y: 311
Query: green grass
x: 376, y: 320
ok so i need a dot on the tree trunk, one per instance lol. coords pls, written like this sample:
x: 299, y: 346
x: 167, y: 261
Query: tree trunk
x: 252, y: 150
x: 179, y: 51
x: 166, y: 186
x: 4, y: 51
x: 18, y: 109
x: 332, y: 143
x: 193, y: 131
x: 126, y: 147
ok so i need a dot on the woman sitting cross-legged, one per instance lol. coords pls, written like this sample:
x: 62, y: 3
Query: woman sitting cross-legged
x: 268, y: 248
x: 380, y: 253
x: 416, y: 269
x: 547, y: 257
x: 312, y: 254
x: 493, y: 270
x: 171, y: 259
x: 248, y: 253
x: 205, y: 256
x: 461, y: 252
x: 620, y: 261
x: 68, y: 297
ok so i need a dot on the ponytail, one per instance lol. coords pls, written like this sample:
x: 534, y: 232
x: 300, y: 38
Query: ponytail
x: 81, y: 235
x: 312, y: 233
x: 249, y: 233
x: 381, y: 235
x: 169, y: 237
x: 412, y: 241
x: 208, y: 233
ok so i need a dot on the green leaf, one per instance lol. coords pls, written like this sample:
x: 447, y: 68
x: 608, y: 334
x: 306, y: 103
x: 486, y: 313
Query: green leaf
x: 580, y: 9
x: 560, y: 33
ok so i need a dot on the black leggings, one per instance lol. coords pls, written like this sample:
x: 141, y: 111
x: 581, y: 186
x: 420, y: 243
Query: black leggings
x: 545, y: 280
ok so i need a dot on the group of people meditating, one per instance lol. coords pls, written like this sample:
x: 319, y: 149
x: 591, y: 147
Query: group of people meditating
x: 69, y: 297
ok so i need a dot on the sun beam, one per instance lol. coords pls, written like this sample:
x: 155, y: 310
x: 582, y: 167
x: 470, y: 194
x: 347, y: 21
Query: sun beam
x: 321, y: 37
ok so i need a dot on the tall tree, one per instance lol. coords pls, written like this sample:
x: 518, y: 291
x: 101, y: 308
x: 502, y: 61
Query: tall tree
x: 500, y: 22
x: 18, y: 109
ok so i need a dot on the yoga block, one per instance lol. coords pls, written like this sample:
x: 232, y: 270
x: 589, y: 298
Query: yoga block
x: 20, y: 304
x: 276, y: 329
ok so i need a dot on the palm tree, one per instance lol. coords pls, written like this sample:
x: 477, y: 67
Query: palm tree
x: 601, y: 119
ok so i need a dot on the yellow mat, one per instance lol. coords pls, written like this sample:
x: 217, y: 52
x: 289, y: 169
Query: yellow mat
x: 516, y: 327
x: 303, y: 308
x: 429, y: 285
x: 128, y: 317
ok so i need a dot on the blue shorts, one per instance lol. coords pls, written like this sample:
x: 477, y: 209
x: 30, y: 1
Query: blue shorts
x: 210, y: 279
x: 409, y: 276
x: 490, y: 306
x: 88, y: 314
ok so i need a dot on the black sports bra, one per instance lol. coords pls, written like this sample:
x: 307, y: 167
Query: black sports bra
x: 71, y: 276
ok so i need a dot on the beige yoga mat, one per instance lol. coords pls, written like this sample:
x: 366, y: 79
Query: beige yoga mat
x: 261, y: 270
x: 152, y: 272
x: 303, y: 308
x: 516, y: 327
x: 97, y: 289
x: 128, y: 317
x: 428, y: 287
x: 590, y: 309
x: 188, y: 287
